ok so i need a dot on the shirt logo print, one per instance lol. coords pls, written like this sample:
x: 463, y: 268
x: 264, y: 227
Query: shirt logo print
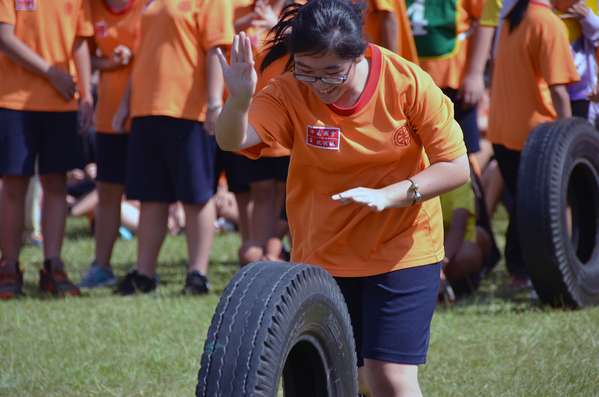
x: 25, y: 5
x: 68, y: 8
x: 401, y: 137
x: 100, y: 29
x: 323, y: 137
x: 184, y: 6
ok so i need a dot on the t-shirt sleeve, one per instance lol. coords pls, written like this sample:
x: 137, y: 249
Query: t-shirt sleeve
x: 474, y: 7
x: 85, y: 27
x: 216, y: 24
x: 431, y: 116
x: 555, y: 57
x: 490, y: 15
x: 7, y: 12
x: 383, y: 5
x: 270, y: 118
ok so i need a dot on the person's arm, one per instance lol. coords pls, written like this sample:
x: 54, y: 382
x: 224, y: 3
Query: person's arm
x: 439, y: 178
x: 81, y: 59
x: 214, y: 90
x: 389, y: 30
x: 233, y: 131
x: 472, y: 85
x: 19, y: 53
x: 561, y: 100
x: 120, y: 57
x: 588, y: 20
x: 121, y: 115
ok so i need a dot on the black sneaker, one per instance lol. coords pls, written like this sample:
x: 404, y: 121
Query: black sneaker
x: 135, y: 283
x: 196, y: 284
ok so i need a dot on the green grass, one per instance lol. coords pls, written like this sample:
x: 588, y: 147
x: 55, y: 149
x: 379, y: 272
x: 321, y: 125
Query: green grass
x: 498, y: 343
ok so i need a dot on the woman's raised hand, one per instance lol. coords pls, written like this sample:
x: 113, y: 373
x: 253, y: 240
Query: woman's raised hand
x: 240, y: 76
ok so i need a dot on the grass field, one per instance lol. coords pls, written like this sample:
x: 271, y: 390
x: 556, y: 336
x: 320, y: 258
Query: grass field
x: 499, y: 343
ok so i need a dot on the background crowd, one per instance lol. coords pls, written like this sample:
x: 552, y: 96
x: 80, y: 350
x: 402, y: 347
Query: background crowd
x: 141, y: 79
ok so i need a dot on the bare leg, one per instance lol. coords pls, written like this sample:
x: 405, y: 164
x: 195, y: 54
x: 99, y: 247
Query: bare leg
x: 12, y: 215
x: 108, y: 220
x: 153, y: 216
x: 54, y: 213
x: 199, y: 230
x: 265, y: 215
x: 468, y: 260
x: 387, y: 379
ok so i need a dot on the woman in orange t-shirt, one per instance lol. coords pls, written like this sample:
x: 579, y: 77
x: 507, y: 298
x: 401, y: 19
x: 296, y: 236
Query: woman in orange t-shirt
x: 533, y: 66
x: 42, y: 48
x: 174, y: 97
x: 115, y: 30
x: 355, y: 114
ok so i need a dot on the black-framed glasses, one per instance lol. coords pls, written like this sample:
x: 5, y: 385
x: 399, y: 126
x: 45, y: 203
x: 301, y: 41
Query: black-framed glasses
x: 327, y: 79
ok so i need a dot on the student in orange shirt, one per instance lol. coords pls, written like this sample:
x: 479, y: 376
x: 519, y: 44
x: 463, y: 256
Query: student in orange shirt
x: 115, y: 24
x: 174, y: 97
x: 533, y: 66
x: 445, y: 34
x: 267, y: 176
x: 387, y: 25
x: 383, y: 241
x: 40, y: 41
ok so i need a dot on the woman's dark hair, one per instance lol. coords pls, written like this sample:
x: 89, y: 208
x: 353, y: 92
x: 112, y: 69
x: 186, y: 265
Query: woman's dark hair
x: 317, y: 27
x: 514, y: 17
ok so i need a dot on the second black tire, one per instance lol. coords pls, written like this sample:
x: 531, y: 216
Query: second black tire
x: 558, y: 212
x: 279, y: 321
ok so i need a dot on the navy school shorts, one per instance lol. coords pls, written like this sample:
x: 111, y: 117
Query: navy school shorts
x: 169, y: 159
x: 467, y: 121
x: 391, y: 313
x: 111, y: 157
x: 227, y: 162
x: 49, y: 136
x: 262, y: 169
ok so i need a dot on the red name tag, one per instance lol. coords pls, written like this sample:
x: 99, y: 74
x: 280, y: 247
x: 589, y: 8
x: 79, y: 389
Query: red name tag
x: 100, y: 29
x: 25, y: 5
x: 323, y: 137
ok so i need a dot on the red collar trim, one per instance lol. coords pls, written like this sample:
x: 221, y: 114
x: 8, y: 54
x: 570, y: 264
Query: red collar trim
x: 540, y: 4
x: 118, y: 12
x: 373, y: 82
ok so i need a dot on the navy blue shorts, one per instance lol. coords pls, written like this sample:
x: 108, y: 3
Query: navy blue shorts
x: 27, y: 135
x: 227, y: 162
x: 391, y: 313
x: 263, y: 168
x: 467, y: 121
x: 169, y: 159
x: 111, y: 157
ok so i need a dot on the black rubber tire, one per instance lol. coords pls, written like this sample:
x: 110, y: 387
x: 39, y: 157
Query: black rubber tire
x: 279, y: 321
x: 559, y: 165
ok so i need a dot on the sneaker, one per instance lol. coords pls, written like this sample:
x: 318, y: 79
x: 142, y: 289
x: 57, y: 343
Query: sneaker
x: 519, y: 281
x: 11, y: 280
x: 56, y: 281
x: 196, y: 284
x: 136, y: 283
x: 97, y: 276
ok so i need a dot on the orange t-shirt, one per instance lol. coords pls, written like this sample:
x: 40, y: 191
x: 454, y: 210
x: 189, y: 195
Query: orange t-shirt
x: 49, y: 29
x: 169, y: 74
x: 448, y: 72
x: 534, y: 56
x: 378, y: 142
x: 405, y: 41
x: 113, y: 28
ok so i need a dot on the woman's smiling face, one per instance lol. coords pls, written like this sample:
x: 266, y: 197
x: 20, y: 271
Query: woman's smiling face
x: 323, y: 66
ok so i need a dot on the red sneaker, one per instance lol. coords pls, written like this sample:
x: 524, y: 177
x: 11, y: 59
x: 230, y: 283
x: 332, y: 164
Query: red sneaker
x: 56, y: 281
x: 11, y: 280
